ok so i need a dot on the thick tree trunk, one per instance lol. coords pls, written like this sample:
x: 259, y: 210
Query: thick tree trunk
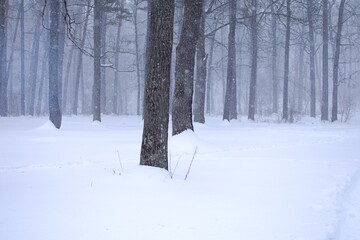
x: 200, y: 83
x: 334, y: 111
x: 310, y: 16
x: 154, y: 148
x: 325, y: 66
x: 3, y: 80
x: 252, y: 90
x: 286, y: 63
x: 54, y: 106
x: 96, y: 96
x: 184, y: 69
x: 34, y: 65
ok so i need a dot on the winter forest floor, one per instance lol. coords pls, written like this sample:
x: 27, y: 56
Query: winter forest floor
x: 253, y: 181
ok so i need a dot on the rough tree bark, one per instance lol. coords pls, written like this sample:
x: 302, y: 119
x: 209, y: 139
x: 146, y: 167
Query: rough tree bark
x: 154, y: 147
x: 334, y: 110
x: 184, y: 69
x: 54, y: 106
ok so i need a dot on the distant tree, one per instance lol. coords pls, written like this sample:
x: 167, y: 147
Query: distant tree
x: 79, y: 68
x: 96, y: 96
x: 22, y: 50
x: 254, y: 56
x: 184, y: 68
x: 200, y: 82
x: 325, y: 64
x: 287, y: 62
x: 54, y: 105
x: 310, y: 18
x: 274, y: 65
x: 3, y: 78
x: 230, y: 111
x: 33, y: 73
x: 154, y: 147
x: 336, y: 62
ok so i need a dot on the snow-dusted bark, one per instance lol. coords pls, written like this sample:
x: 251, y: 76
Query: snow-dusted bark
x: 154, y: 147
x: 184, y: 69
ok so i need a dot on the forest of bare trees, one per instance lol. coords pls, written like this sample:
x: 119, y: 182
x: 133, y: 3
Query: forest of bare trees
x: 260, y: 59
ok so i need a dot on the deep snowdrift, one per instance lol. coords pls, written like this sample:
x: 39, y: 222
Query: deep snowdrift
x: 258, y: 181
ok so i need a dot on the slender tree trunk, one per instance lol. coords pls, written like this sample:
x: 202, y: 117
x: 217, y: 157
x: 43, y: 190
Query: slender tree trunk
x: 117, y: 105
x: 3, y: 42
x: 209, y: 82
x: 300, y: 83
x: 154, y: 147
x: 184, y: 69
x: 66, y: 80
x: 336, y: 63
x: 200, y: 83
x: 22, y: 50
x: 310, y: 16
x: 274, y: 65
x: 325, y: 84
x: 34, y: 65
x: 42, y: 78
x: 54, y: 106
x: 254, y: 53
x: 138, y: 77
x: 96, y: 96
x: 103, y: 60
x: 10, y: 61
x: 286, y: 63
x: 230, y: 111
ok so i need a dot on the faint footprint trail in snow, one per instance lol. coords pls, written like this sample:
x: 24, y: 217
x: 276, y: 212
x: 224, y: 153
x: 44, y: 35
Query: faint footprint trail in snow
x: 348, y: 225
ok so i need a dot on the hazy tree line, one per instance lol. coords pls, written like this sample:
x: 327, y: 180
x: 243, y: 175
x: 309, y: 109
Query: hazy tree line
x: 255, y: 58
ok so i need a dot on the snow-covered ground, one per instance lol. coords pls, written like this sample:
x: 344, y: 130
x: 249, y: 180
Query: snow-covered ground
x: 254, y: 181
